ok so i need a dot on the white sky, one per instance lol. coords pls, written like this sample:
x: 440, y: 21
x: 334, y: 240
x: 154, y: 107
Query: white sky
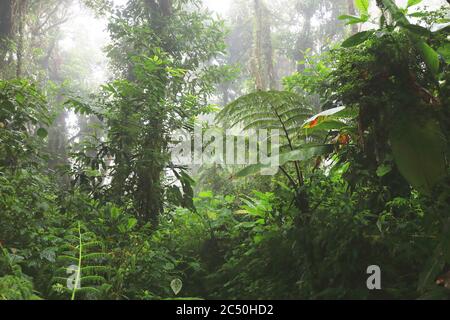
x: 219, y: 6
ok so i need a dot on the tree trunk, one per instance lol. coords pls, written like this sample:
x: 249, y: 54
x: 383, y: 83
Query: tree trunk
x: 6, y: 18
x: 262, y: 62
x: 6, y: 27
x: 352, y: 12
x: 21, y: 9
x: 149, y: 194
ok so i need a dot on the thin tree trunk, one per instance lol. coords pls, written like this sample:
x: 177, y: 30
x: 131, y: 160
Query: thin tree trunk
x: 149, y: 193
x: 262, y: 66
x: 20, y: 41
x: 352, y: 12
x: 6, y: 28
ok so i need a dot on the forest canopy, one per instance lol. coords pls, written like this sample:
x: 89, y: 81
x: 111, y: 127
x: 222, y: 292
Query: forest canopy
x: 239, y: 149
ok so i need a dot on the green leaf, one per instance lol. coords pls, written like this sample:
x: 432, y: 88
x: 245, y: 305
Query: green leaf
x: 206, y: 194
x: 362, y: 6
x: 42, y: 133
x: 323, y: 115
x: 132, y: 223
x: 357, y: 39
x: 418, y: 14
x: 444, y: 51
x: 305, y: 153
x: 353, y: 19
x: 430, y: 56
x: 383, y: 170
x: 419, y: 30
x: 419, y: 152
x: 327, y: 125
x: 413, y: 3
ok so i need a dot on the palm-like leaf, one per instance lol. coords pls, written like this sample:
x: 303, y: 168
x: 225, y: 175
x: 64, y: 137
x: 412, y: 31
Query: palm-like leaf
x: 281, y: 110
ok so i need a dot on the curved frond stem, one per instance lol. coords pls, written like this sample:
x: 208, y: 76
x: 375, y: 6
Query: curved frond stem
x: 291, y: 146
x: 80, y: 252
x: 294, y: 184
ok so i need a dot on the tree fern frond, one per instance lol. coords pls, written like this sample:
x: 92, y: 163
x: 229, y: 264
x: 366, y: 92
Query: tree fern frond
x: 76, y: 264
x: 252, y: 116
x: 92, y: 279
x: 262, y: 124
x: 94, y: 243
x: 59, y: 280
x: 91, y: 270
x: 67, y: 258
x: 266, y: 110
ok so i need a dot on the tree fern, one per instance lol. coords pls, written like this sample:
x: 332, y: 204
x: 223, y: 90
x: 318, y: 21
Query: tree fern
x: 282, y: 110
x: 83, y: 259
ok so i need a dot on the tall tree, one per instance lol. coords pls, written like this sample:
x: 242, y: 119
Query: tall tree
x: 165, y: 61
x: 262, y: 60
x: 6, y: 26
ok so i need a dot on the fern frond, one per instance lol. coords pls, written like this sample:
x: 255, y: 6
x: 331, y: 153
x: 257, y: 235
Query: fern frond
x: 77, y: 263
x: 92, y: 270
x: 93, y: 244
x: 281, y: 110
x: 67, y: 258
x: 93, y: 279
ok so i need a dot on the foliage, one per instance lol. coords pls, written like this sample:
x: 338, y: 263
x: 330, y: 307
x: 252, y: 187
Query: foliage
x: 23, y: 116
x: 84, y: 262
x: 363, y: 173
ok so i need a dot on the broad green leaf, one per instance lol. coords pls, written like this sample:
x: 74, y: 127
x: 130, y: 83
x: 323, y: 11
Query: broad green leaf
x: 444, y: 51
x: 419, y: 152
x: 315, y: 120
x: 357, y: 39
x: 206, y: 194
x: 418, y: 14
x: 413, y: 2
x: 176, y: 286
x: 419, y: 30
x: 305, y: 153
x: 353, y: 19
x: 132, y: 223
x: 362, y: 6
x: 430, y: 56
x: 327, y: 125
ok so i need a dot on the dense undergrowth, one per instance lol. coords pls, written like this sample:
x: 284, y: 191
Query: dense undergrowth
x: 376, y: 194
